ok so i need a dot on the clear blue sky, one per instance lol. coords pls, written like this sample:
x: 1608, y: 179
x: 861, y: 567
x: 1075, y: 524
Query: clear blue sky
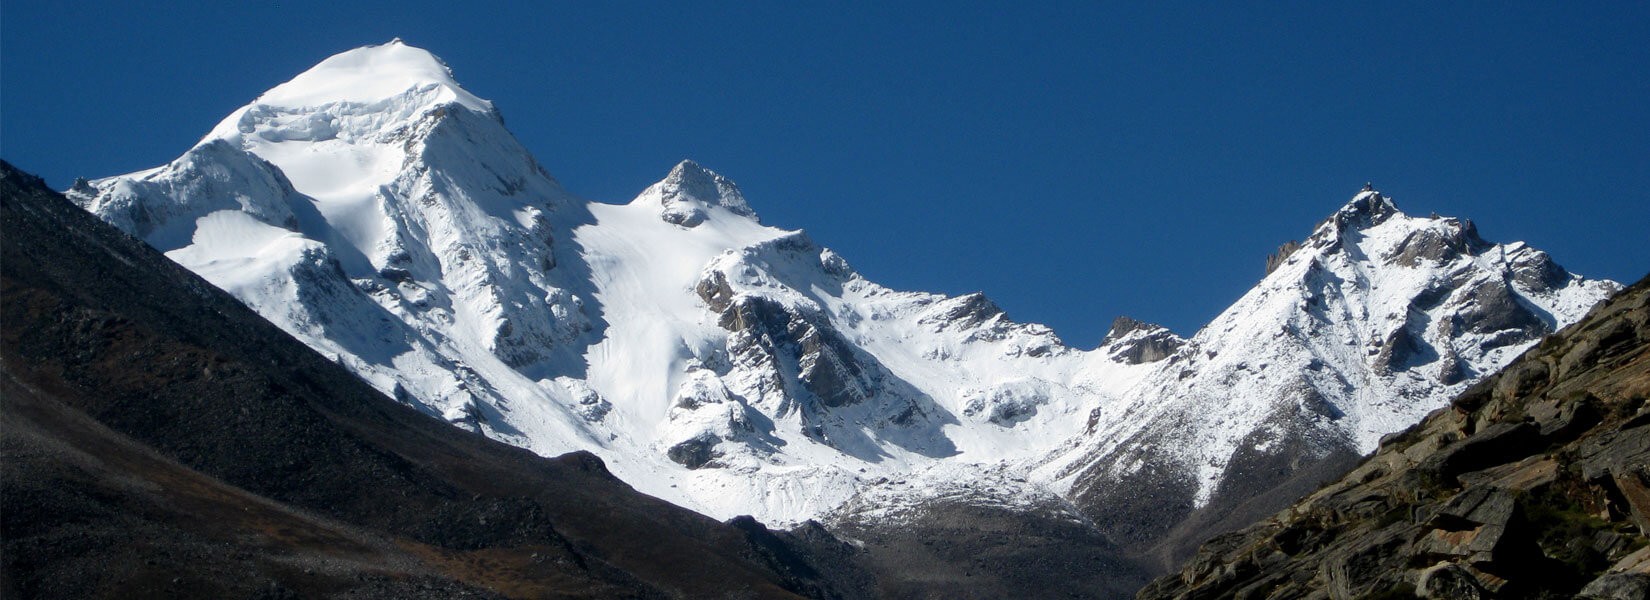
x: 1074, y: 161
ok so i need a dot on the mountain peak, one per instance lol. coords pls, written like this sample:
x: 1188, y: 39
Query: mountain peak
x: 1370, y: 201
x: 689, y: 168
x: 689, y: 188
x: 371, y: 74
x: 344, y: 128
x: 1371, y: 204
x: 418, y: 243
x: 1367, y: 208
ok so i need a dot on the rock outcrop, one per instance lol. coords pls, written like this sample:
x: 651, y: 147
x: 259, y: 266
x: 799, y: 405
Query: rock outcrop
x: 1135, y: 342
x: 1275, y: 259
x: 689, y: 190
x: 1534, y: 483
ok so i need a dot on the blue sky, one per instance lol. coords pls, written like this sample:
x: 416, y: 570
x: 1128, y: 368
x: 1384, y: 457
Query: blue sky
x: 1075, y: 161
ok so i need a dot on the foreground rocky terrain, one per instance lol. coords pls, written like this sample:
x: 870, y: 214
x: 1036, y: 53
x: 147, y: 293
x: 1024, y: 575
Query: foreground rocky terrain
x: 1534, y: 483
x: 160, y: 440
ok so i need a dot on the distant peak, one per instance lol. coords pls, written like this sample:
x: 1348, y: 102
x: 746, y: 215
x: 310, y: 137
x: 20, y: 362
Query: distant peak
x: 1367, y: 208
x: 1370, y: 201
x: 689, y: 181
x: 687, y: 168
x: 369, y: 74
x: 1124, y: 325
x: 690, y: 175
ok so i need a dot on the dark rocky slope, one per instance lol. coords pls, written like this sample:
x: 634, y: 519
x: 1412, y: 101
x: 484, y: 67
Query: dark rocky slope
x: 1533, y: 484
x: 962, y: 550
x: 161, y: 440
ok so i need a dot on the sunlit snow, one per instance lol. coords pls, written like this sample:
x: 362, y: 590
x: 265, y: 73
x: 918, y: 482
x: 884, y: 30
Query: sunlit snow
x: 382, y: 214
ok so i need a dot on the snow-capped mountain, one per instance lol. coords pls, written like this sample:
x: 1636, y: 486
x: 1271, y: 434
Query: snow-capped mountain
x: 1371, y: 323
x: 383, y: 215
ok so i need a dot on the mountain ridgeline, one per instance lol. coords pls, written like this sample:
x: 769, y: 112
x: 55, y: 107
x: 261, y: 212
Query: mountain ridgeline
x: 1534, y: 483
x: 381, y: 214
x: 161, y: 441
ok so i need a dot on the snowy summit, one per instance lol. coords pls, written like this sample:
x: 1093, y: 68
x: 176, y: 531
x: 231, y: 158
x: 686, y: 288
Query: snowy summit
x: 383, y: 215
x: 373, y: 74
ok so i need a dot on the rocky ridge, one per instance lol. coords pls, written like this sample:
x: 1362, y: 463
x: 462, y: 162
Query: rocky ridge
x: 1374, y: 321
x: 1134, y: 342
x: 1534, y: 483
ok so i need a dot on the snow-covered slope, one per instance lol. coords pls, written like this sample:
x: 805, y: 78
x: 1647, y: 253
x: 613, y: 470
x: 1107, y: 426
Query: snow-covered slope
x: 382, y: 214
x: 1374, y: 321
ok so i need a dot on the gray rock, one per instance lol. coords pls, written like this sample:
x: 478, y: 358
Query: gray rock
x: 1137, y: 342
x: 694, y: 453
x: 1449, y: 581
x: 1399, y: 351
x: 1497, y: 444
x: 1537, y: 272
x: 1276, y: 259
x: 1479, y: 506
x: 1430, y: 245
x: 1617, y: 586
x: 1573, y: 419
x: 1491, y: 308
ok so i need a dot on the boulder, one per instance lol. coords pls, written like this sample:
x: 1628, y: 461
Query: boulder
x: 1448, y: 581
x: 1617, y: 586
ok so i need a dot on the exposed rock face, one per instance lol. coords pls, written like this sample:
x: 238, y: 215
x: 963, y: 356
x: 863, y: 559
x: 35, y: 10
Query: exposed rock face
x: 1135, y: 342
x: 785, y: 358
x: 1275, y: 259
x: 1531, y: 484
x: 1458, y: 237
x: 689, y: 190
